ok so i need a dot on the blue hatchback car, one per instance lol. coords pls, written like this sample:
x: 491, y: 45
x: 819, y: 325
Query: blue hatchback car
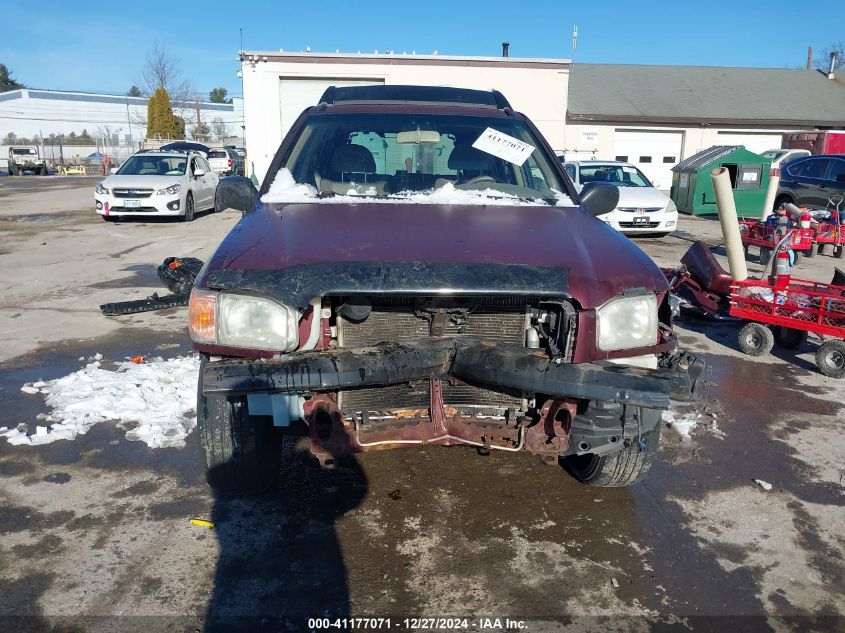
x: 812, y: 181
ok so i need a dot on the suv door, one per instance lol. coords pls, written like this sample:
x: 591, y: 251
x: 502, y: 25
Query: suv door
x: 834, y: 180
x: 810, y: 186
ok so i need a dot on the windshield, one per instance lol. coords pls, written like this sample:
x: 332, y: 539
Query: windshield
x: 619, y: 175
x: 773, y: 154
x: 404, y: 155
x: 23, y: 152
x: 154, y: 166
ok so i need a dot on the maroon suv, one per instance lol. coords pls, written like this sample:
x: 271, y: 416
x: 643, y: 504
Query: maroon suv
x: 417, y: 269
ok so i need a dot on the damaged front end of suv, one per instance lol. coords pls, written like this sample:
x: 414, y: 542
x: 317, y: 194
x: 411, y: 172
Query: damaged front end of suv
x: 418, y: 270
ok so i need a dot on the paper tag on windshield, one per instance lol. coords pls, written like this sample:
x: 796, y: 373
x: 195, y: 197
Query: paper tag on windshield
x: 503, y: 146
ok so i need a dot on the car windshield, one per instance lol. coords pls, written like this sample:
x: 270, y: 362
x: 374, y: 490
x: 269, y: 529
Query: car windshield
x: 23, y: 152
x: 414, y: 155
x: 774, y: 154
x: 154, y: 166
x: 619, y: 175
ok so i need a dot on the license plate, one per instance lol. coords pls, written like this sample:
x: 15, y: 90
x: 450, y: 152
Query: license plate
x: 641, y: 220
x: 132, y: 204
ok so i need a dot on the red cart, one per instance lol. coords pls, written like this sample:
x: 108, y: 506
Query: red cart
x: 787, y: 313
x: 830, y: 233
x: 767, y: 237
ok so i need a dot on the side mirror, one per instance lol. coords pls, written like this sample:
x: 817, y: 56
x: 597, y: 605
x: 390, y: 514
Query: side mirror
x: 599, y: 198
x: 113, y: 170
x: 198, y: 173
x: 237, y: 192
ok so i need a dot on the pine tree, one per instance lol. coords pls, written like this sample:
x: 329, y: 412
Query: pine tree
x: 161, y: 122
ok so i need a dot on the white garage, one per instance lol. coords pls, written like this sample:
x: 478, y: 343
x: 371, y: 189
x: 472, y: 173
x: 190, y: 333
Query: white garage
x: 756, y: 142
x: 297, y: 93
x: 654, y: 152
x: 278, y: 86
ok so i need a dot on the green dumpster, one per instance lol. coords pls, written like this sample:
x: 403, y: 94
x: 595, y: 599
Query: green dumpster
x: 692, y: 188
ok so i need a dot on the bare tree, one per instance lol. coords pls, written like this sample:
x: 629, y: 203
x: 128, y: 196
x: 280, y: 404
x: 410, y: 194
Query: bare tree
x: 822, y: 62
x: 219, y: 128
x: 161, y: 70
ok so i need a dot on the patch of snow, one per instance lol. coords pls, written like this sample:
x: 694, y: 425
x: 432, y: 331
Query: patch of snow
x: 683, y: 425
x: 154, y: 402
x: 284, y: 189
x: 765, y: 485
x: 29, y: 389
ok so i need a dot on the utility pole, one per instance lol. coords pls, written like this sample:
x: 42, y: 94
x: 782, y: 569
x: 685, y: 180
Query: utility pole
x: 198, y: 130
x: 809, y: 58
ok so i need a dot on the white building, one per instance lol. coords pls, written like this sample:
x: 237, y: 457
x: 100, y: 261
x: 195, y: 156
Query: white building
x: 279, y: 86
x: 652, y: 116
x: 120, y: 119
x: 655, y: 116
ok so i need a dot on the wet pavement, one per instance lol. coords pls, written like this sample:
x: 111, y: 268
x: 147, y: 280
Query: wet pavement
x: 95, y: 533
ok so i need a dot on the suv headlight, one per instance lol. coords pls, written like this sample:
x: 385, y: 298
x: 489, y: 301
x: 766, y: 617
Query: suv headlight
x: 102, y: 190
x: 245, y: 321
x: 671, y: 208
x: 626, y: 323
x: 172, y: 190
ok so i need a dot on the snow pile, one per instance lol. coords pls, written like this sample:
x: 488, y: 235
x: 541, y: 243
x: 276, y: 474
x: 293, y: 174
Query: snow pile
x: 154, y: 402
x: 284, y: 189
x: 682, y: 424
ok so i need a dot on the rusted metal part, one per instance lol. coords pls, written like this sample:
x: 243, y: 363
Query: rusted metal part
x: 435, y: 394
x: 402, y: 430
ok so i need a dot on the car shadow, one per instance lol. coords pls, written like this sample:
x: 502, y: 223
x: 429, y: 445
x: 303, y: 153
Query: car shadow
x: 162, y: 219
x: 280, y: 562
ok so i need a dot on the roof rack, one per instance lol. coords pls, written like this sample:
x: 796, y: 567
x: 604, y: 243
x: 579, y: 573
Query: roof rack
x: 415, y: 94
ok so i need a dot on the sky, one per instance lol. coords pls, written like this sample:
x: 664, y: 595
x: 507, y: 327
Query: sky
x: 100, y: 47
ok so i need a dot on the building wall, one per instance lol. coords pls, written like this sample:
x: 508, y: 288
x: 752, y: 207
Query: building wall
x: 538, y: 88
x: 585, y: 141
x: 30, y: 113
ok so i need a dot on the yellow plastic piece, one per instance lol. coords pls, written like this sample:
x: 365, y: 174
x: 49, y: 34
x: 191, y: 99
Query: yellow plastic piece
x: 202, y: 522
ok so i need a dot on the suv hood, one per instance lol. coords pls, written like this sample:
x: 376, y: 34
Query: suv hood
x: 594, y: 260
x: 142, y: 182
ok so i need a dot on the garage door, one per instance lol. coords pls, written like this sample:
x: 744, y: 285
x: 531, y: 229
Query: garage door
x: 655, y: 153
x: 754, y: 142
x: 297, y: 94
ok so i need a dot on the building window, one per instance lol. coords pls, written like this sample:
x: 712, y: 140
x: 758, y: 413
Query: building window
x: 645, y: 159
x: 669, y: 159
x: 622, y: 159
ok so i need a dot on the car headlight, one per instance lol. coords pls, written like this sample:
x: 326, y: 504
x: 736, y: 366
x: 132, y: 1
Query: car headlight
x: 245, y: 321
x: 671, y: 208
x: 172, y: 190
x: 627, y: 322
x: 102, y: 190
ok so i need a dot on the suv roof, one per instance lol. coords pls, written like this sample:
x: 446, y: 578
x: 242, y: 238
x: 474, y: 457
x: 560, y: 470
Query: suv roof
x: 415, y: 94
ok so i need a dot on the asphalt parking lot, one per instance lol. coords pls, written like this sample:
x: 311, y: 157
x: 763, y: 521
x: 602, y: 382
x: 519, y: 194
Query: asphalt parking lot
x: 95, y: 533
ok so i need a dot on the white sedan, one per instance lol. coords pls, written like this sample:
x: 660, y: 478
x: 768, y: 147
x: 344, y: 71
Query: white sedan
x: 642, y: 207
x: 158, y: 183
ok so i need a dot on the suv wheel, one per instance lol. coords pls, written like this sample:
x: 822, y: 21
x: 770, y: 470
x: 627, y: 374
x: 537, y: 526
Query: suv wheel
x: 781, y: 200
x: 839, y: 251
x: 616, y: 470
x: 189, y: 208
x: 242, y: 452
x: 217, y: 207
x: 11, y: 169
